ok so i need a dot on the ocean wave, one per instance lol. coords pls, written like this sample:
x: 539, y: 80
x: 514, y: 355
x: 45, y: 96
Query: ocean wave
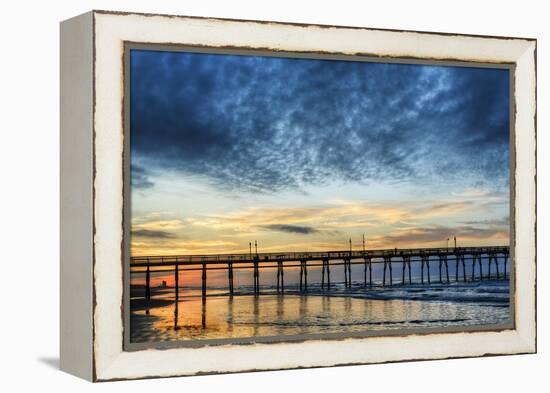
x: 480, y: 292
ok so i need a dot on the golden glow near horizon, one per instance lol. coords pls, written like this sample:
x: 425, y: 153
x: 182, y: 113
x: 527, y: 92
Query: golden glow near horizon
x: 476, y: 217
x: 326, y: 225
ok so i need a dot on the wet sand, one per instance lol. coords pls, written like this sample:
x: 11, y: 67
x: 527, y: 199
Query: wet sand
x: 246, y: 315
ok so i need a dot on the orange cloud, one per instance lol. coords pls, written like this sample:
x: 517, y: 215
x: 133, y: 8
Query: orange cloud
x: 329, y: 227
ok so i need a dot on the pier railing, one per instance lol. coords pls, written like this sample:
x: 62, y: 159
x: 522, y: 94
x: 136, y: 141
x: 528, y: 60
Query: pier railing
x: 309, y: 256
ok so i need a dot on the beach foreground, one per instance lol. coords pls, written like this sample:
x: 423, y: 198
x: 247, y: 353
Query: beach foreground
x: 341, y: 310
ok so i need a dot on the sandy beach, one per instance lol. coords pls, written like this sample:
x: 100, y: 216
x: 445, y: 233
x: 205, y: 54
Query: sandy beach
x: 337, y: 311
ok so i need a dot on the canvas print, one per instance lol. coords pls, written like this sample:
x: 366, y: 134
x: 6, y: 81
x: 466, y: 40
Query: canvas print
x: 281, y: 197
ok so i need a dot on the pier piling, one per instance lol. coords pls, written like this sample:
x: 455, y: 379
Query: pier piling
x: 323, y: 269
x: 460, y: 261
x: 280, y: 277
x: 328, y: 274
x: 176, y: 288
x: 447, y: 269
x: 443, y: 262
x: 403, y: 275
x: 230, y: 277
x: 425, y: 262
x: 346, y: 276
x: 480, y: 260
x: 457, y: 260
x: 256, y: 275
x: 303, y: 273
x: 505, y: 263
x: 368, y: 267
x: 203, y: 263
x: 148, y: 288
x: 301, y: 277
x: 440, y: 267
x: 349, y: 273
x: 428, y: 266
x: 204, y: 280
x: 370, y: 272
x: 387, y: 265
x: 406, y: 264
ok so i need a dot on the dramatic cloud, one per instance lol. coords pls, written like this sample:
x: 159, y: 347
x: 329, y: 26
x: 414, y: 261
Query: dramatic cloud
x: 263, y: 124
x: 499, y: 222
x: 304, y: 230
x: 300, y: 154
x: 140, y: 180
x: 153, y: 234
x: 430, y: 235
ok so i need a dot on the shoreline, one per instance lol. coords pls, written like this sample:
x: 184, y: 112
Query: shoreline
x: 457, y: 292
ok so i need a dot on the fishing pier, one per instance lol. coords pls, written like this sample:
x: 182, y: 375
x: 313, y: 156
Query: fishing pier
x: 426, y: 258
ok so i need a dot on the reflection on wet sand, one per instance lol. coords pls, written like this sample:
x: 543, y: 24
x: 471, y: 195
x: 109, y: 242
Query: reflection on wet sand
x: 221, y: 316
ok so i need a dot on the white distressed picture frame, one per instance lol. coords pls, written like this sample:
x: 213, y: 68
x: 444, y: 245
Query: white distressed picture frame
x: 92, y: 154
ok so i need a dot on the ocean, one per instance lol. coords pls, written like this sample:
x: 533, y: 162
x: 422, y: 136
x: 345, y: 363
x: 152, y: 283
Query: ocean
x: 338, y: 310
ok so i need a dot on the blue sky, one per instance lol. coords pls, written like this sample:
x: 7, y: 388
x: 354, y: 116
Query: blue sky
x: 304, y: 154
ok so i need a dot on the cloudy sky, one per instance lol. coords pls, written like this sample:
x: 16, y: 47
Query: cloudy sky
x: 306, y: 154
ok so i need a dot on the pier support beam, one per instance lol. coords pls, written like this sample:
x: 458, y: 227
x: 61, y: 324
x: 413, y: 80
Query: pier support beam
x: 447, y: 269
x: 440, y: 267
x: 463, y: 263
x: 387, y: 264
x: 303, y: 275
x: 280, y: 277
x: 177, y: 289
x: 505, y: 263
x: 480, y: 267
x: 443, y: 261
x: 370, y: 272
x: 368, y: 266
x: 406, y: 264
x: 325, y: 274
x: 204, y: 281
x: 230, y: 277
x: 346, y: 278
x: 347, y: 272
x: 493, y: 257
x: 457, y: 260
x: 328, y: 274
x: 148, y: 288
x: 425, y: 261
x: 428, y: 266
x: 256, y: 275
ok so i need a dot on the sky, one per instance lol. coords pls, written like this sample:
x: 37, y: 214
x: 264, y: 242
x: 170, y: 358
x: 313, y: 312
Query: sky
x: 303, y: 155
